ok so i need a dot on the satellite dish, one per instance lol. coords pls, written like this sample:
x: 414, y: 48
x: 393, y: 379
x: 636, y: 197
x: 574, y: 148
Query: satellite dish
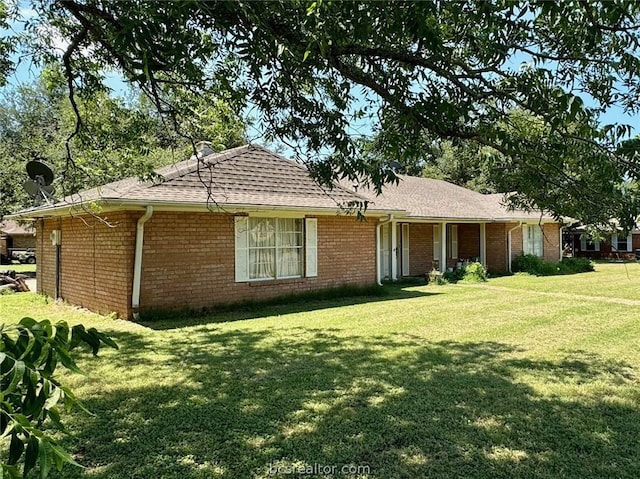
x: 39, y: 186
x: 40, y: 172
x: 31, y: 187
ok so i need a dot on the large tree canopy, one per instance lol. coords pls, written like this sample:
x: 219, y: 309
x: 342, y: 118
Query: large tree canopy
x: 410, y: 71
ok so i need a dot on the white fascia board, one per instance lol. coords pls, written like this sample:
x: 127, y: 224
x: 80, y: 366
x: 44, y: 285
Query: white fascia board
x: 109, y: 205
x: 412, y: 219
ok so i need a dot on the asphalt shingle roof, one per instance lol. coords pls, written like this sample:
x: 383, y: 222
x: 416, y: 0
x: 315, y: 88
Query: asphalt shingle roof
x: 251, y: 175
x: 12, y: 228
x: 247, y: 175
x: 429, y: 198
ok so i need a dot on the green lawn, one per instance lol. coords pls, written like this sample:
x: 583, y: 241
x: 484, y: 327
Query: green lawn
x: 496, y: 380
x: 20, y: 268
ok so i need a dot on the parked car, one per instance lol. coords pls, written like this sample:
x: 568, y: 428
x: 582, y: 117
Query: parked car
x: 24, y: 256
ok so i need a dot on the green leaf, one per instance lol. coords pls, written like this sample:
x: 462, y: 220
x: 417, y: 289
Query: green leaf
x: 28, y: 323
x: 17, y: 373
x: 54, y: 416
x: 63, y: 455
x: 44, y: 458
x: 16, y: 447
x: 68, y: 362
x: 31, y: 455
x: 53, y: 398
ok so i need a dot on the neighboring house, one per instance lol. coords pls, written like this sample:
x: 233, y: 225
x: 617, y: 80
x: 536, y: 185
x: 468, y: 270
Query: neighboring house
x: 15, y: 236
x: 615, y: 246
x: 247, y: 224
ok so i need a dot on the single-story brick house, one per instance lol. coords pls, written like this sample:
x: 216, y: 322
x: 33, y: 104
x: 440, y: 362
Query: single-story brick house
x: 14, y: 235
x: 247, y: 224
x: 616, y: 246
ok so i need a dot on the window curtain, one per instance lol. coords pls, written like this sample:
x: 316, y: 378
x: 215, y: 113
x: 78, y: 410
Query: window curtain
x: 289, y: 247
x: 532, y: 240
x: 262, y: 252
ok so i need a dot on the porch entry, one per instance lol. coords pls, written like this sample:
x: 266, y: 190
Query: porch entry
x: 437, y: 245
x: 401, y: 250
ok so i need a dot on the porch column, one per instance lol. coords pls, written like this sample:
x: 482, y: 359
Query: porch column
x: 483, y: 244
x: 443, y: 247
x: 394, y: 250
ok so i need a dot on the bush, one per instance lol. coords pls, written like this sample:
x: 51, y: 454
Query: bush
x: 471, y: 273
x: 531, y: 264
x: 475, y: 273
x: 527, y: 263
x: 453, y: 276
x: 576, y: 265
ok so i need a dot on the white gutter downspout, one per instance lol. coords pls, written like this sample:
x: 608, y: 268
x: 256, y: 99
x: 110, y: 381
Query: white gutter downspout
x: 137, y: 262
x: 509, y: 244
x: 561, y: 248
x: 378, y: 265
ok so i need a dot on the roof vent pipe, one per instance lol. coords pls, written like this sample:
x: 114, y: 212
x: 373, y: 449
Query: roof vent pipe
x: 203, y: 148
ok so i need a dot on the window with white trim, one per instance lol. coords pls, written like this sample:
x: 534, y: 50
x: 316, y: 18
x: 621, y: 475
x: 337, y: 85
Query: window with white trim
x: 532, y: 240
x: 621, y: 243
x: 589, y: 244
x: 274, y: 248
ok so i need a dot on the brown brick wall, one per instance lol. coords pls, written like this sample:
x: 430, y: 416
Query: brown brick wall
x: 189, y: 261
x: 496, y: 247
x: 635, y: 241
x: 551, y: 242
x: 96, y: 261
x: 420, y: 248
x: 517, y: 246
x: 468, y: 241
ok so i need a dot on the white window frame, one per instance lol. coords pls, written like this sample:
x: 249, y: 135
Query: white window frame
x: 615, y: 243
x: 404, y: 239
x: 437, y: 247
x: 584, y: 243
x: 385, y: 251
x: 452, y: 240
x: 307, y: 247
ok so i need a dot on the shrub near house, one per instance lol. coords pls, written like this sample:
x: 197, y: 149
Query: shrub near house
x: 532, y: 264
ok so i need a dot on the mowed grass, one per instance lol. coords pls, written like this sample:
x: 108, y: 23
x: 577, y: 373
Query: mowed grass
x: 466, y: 381
x: 19, y: 268
x: 615, y: 280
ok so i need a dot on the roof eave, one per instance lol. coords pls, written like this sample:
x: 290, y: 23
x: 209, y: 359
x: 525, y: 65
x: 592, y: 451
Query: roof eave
x: 114, y: 204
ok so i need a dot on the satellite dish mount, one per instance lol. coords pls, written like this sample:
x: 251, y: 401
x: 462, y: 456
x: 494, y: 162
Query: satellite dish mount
x: 39, y: 185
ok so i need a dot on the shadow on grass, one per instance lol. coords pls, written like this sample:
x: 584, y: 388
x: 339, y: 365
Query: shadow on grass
x: 163, y: 320
x: 239, y: 403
